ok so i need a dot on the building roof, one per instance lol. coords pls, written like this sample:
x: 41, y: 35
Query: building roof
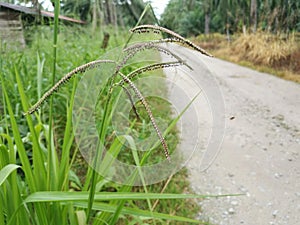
x: 33, y: 11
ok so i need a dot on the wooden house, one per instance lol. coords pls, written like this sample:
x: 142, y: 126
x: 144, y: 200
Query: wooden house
x: 11, y: 23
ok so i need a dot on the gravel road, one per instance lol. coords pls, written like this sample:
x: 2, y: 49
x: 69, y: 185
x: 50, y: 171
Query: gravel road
x: 259, y: 156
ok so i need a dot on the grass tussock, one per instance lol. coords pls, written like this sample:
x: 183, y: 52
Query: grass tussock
x: 262, y: 51
x: 265, y: 49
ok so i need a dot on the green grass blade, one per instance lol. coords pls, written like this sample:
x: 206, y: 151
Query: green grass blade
x: 135, y: 173
x: 102, y: 135
x: 52, y: 176
x: 40, y: 67
x: 2, y: 219
x: 29, y: 177
x: 109, y: 158
x: 39, y: 168
x: 138, y: 22
x: 18, y: 141
x: 7, y: 155
x: 138, y: 212
x: 67, y: 144
x: 137, y: 163
x: 169, y: 128
x: 64, y: 196
x: 81, y: 199
x: 6, y: 171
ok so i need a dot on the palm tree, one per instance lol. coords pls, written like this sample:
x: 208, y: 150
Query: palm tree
x: 207, y: 7
x: 253, y: 15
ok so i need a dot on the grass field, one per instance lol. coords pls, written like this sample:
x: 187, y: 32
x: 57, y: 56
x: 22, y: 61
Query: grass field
x: 43, y: 177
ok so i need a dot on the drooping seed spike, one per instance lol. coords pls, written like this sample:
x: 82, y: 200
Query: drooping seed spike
x: 134, y: 49
x: 149, y: 112
x: 173, y: 34
x: 131, y: 101
x: 64, y: 80
x: 148, y: 68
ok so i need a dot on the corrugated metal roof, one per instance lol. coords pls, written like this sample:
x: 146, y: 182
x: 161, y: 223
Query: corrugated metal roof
x: 50, y: 14
x: 18, y: 8
x: 32, y: 11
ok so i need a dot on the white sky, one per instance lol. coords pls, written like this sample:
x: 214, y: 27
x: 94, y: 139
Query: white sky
x: 158, y: 6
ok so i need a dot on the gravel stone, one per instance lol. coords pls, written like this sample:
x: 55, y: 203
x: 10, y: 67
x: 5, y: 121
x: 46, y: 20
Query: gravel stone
x: 231, y: 211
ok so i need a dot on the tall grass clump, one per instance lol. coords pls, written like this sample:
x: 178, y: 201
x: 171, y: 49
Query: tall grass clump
x: 41, y: 181
x: 264, y: 48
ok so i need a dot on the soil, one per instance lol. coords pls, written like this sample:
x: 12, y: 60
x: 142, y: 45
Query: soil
x: 259, y: 156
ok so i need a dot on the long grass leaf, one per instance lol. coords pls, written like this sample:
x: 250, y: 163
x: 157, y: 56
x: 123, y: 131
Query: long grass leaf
x: 2, y: 207
x: 18, y: 141
x: 99, y: 150
x: 51, y: 175
x: 6, y: 171
x: 40, y: 67
x: 29, y: 178
x: 136, y: 159
x: 39, y: 168
x: 64, y: 196
x: 138, y: 212
x: 137, y: 163
x: 138, y: 22
x: 67, y: 144
x: 7, y: 155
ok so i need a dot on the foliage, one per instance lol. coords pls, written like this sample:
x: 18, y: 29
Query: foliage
x: 184, y: 18
x: 123, y: 13
x: 47, y: 189
x: 189, y: 17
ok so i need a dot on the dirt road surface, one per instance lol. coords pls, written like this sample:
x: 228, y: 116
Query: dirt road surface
x: 259, y: 156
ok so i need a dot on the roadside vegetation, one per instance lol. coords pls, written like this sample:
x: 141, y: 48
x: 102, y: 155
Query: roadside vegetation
x: 261, y: 34
x: 43, y: 178
x: 269, y: 53
x: 52, y: 170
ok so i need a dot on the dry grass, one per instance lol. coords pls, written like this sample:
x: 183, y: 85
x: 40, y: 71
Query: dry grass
x: 262, y: 51
x: 265, y: 49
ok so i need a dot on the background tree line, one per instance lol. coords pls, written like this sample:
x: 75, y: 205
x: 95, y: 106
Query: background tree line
x: 189, y: 17
x: 99, y: 12
x: 108, y: 12
x: 192, y: 17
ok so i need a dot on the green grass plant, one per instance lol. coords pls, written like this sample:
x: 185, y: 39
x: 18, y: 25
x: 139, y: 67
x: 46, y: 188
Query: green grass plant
x: 39, y: 180
x: 34, y: 202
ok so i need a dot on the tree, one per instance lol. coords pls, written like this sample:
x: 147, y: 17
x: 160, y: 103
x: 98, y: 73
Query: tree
x: 173, y: 14
x: 191, y: 17
x: 253, y: 15
x: 227, y: 16
x: 115, y: 12
x: 207, y: 7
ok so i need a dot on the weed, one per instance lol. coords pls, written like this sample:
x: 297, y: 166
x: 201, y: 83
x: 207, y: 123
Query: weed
x: 45, y: 194
x: 131, y: 52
